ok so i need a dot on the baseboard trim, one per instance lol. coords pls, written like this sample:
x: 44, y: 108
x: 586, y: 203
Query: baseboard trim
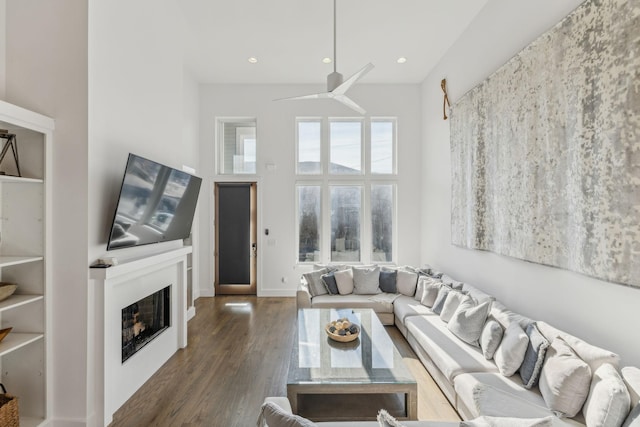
x: 276, y: 293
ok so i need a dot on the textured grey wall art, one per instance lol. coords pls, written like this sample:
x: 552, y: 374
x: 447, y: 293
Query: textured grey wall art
x: 545, y: 153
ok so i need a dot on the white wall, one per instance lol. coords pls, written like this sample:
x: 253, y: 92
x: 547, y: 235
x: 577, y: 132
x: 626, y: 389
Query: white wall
x: 3, y: 47
x: 46, y: 71
x: 276, y: 144
x: 603, y: 313
x: 141, y: 100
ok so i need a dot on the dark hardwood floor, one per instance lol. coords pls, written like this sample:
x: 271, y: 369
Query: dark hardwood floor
x: 237, y: 354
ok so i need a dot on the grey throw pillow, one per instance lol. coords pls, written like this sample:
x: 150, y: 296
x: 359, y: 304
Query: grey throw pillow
x: 388, y: 280
x: 468, y: 320
x: 366, y: 280
x: 490, y: 338
x: 533, y: 357
x: 274, y: 416
x: 564, y: 379
x: 440, y: 299
x: 330, y: 283
x: 314, y: 280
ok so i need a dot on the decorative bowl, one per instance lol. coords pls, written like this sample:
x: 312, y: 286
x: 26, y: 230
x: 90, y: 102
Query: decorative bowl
x: 7, y: 289
x: 4, y: 332
x: 351, y: 330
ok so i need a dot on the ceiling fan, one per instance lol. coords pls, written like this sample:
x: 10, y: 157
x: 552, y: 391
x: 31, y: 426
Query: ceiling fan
x: 336, y: 85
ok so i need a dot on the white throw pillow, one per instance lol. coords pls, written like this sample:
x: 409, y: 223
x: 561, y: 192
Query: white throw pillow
x: 490, y: 338
x: 510, y: 353
x: 608, y: 402
x: 468, y: 320
x: 564, y: 380
x: 420, y: 288
x: 406, y: 282
x: 454, y: 298
x: 366, y: 280
x: 430, y: 291
x: 344, y: 280
x: 633, y: 419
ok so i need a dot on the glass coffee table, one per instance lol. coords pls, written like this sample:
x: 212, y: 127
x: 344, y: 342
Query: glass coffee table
x: 338, y: 381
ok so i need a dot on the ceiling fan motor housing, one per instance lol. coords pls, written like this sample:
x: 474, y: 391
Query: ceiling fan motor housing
x: 334, y: 80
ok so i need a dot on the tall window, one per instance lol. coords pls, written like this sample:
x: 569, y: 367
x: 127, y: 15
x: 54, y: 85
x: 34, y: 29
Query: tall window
x: 383, y: 146
x: 346, y: 212
x: 346, y: 147
x: 309, y: 146
x: 355, y: 219
x: 309, y: 221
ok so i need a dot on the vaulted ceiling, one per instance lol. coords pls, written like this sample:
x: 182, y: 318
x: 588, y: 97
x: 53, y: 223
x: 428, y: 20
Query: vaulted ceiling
x: 290, y: 38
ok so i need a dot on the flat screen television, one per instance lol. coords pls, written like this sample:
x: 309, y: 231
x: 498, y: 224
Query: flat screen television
x: 156, y: 204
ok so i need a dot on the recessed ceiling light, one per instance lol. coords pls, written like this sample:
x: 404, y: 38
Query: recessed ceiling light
x: 327, y: 60
x: 401, y: 60
x: 252, y: 60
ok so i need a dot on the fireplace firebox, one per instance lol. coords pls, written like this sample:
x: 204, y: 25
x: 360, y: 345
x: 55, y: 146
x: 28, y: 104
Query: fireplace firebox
x: 144, y: 320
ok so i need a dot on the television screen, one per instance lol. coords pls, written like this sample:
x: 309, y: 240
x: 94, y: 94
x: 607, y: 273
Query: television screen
x: 156, y: 204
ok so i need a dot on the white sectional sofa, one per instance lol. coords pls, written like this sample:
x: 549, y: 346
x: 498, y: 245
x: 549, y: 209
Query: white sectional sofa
x: 480, y: 386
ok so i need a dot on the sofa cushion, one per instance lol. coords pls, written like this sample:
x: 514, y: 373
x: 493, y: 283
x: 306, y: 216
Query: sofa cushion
x: 405, y: 306
x: 564, y: 380
x: 344, y: 280
x: 492, y: 394
x: 633, y: 419
x: 315, y: 283
x: 505, y: 317
x: 608, y: 401
x: 510, y: 353
x: 631, y: 377
x: 476, y: 293
x: 451, y: 303
x: 594, y: 356
x: 490, y: 338
x: 273, y: 415
x: 330, y: 284
x: 534, y: 356
x: 388, y: 279
x: 430, y: 291
x: 508, y: 422
x: 406, y: 282
x: 440, y: 299
x: 468, y: 320
x: 351, y: 301
x: 366, y: 280
x: 448, y: 353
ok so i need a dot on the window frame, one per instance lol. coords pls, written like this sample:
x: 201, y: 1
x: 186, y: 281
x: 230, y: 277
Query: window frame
x: 365, y: 179
x: 220, y: 143
x: 297, y: 145
x: 394, y: 146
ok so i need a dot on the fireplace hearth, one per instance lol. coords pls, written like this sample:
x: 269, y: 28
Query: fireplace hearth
x: 144, y: 320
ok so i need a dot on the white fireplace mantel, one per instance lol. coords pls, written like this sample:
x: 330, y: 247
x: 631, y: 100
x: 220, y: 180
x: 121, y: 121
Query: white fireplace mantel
x: 115, y: 288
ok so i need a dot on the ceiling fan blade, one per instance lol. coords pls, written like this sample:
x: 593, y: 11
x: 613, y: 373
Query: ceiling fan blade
x: 340, y: 90
x: 349, y: 103
x: 312, y: 96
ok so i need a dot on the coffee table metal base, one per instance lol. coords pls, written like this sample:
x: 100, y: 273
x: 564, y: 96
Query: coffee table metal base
x: 361, y: 401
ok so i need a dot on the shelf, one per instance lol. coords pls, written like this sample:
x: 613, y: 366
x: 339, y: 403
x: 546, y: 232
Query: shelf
x: 16, y: 340
x: 7, y: 261
x: 20, y: 180
x: 30, y: 421
x: 17, y: 300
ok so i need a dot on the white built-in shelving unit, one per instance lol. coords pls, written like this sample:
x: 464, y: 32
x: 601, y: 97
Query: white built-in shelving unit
x: 25, y: 255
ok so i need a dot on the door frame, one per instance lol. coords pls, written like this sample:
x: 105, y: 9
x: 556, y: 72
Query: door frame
x: 240, y: 289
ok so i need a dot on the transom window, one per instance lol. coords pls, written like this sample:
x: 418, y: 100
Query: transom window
x: 345, y: 190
